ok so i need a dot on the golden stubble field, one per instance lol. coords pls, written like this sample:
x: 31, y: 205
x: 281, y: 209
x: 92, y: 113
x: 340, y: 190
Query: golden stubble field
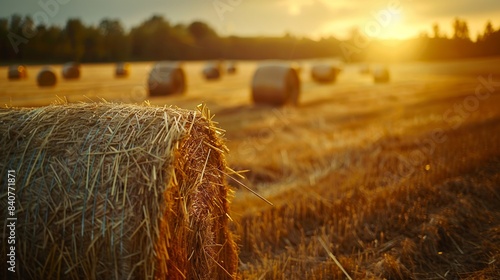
x: 394, y: 181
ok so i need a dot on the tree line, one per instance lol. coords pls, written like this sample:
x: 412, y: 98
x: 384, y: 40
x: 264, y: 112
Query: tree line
x: 158, y: 39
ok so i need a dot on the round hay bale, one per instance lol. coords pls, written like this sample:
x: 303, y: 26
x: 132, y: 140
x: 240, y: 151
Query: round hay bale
x: 166, y: 78
x: 231, y: 67
x: 46, y: 77
x: 71, y: 71
x: 212, y: 71
x: 122, y: 69
x: 108, y: 191
x: 17, y: 72
x: 324, y: 73
x: 381, y: 75
x: 365, y: 69
x: 298, y: 67
x: 275, y: 84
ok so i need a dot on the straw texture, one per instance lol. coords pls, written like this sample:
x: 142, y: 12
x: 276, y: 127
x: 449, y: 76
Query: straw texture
x: 108, y: 191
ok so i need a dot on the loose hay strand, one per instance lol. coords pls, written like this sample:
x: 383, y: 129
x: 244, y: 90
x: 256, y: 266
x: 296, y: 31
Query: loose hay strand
x: 332, y: 256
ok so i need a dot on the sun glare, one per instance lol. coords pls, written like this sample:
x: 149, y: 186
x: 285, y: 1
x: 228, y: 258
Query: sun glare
x: 295, y: 6
x: 389, y: 26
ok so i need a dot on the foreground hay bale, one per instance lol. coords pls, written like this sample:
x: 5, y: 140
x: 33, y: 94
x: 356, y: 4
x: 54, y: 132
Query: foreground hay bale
x: 324, y: 73
x: 108, y: 191
x: 17, y: 72
x: 122, y: 70
x: 166, y: 78
x: 381, y: 75
x: 46, y: 77
x: 212, y: 71
x: 71, y: 71
x: 275, y: 83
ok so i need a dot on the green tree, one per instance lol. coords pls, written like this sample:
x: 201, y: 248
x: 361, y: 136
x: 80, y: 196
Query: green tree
x: 436, y: 31
x: 115, y: 41
x: 461, y: 29
x: 488, y: 30
x: 75, y: 32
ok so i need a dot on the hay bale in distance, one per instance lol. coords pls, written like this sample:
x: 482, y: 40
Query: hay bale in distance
x: 324, y: 73
x: 17, y: 72
x: 107, y: 191
x: 212, y: 71
x: 122, y: 69
x: 231, y: 67
x: 166, y: 78
x: 298, y: 67
x: 46, y: 77
x: 365, y: 69
x: 275, y: 83
x: 71, y: 71
x: 381, y: 75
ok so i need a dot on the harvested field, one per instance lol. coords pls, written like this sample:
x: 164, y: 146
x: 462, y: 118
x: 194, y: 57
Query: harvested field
x: 376, y: 181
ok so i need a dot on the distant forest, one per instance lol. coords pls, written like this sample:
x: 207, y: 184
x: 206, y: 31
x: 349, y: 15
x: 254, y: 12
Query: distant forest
x: 158, y: 39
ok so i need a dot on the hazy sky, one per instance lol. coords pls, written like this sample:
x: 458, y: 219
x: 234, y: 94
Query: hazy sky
x: 313, y: 18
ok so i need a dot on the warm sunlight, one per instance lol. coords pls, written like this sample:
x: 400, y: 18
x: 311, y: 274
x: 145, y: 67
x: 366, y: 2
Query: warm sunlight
x: 381, y: 25
x: 295, y: 6
x: 386, y: 25
x: 250, y: 139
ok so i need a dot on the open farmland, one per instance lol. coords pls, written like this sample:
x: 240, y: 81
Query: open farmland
x: 396, y: 181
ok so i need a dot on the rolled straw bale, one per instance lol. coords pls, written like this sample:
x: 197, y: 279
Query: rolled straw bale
x: 231, y: 67
x: 17, y: 72
x: 46, y: 77
x: 212, y: 71
x: 275, y: 83
x: 324, y: 73
x: 122, y: 69
x: 298, y: 67
x: 107, y: 191
x: 166, y: 78
x: 71, y: 70
x: 381, y: 75
x: 365, y: 69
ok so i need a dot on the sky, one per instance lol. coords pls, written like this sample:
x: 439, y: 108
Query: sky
x: 396, y: 19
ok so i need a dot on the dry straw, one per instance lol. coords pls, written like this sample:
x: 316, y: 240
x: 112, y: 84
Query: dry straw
x: 17, y: 72
x: 122, y: 69
x: 275, y: 83
x: 71, y: 70
x: 107, y: 191
x: 166, y: 78
x: 46, y: 77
